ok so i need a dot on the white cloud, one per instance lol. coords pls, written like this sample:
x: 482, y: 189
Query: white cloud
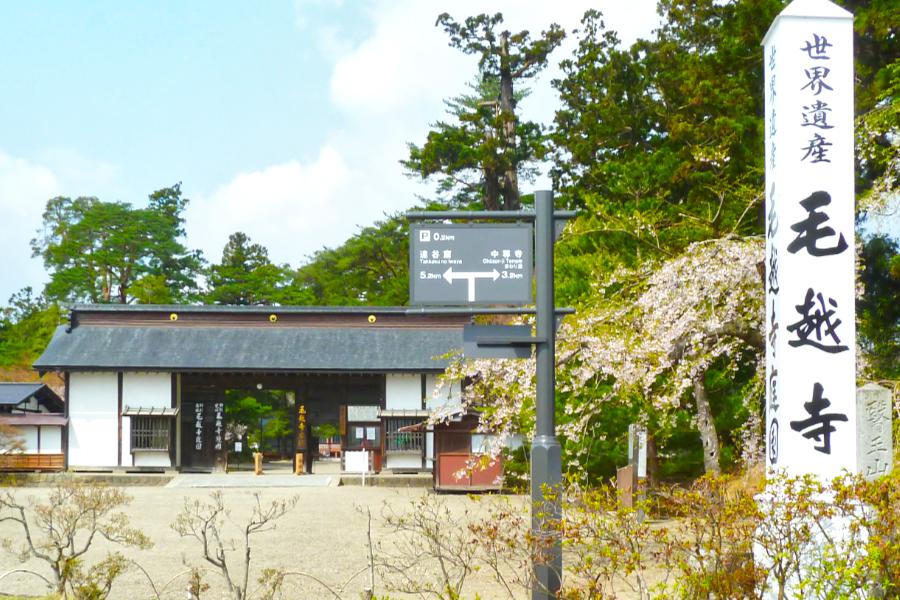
x: 290, y: 208
x: 25, y: 188
x: 407, y: 64
x: 81, y: 176
x: 389, y: 87
x: 392, y: 85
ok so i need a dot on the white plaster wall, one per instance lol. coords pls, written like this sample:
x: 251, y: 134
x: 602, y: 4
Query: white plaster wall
x: 438, y: 396
x: 147, y: 390
x: 30, y: 405
x: 403, y: 391
x: 151, y: 458
x: 144, y: 390
x: 28, y: 433
x: 51, y: 439
x: 403, y: 461
x: 93, y: 419
x: 126, y: 440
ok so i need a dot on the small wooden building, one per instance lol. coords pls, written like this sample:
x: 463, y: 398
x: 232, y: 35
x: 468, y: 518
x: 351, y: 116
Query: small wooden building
x: 36, y: 415
x: 461, y: 461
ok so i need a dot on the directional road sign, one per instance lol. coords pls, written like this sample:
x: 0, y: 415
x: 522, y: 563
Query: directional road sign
x: 473, y: 264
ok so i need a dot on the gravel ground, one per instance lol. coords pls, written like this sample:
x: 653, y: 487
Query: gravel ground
x: 325, y: 535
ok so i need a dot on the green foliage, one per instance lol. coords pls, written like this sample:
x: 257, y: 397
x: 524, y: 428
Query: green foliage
x: 26, y: 327
x: 277, y: 426
x: 878, y: 308
x: 96, y: 251
x: 658, y: 147
x: 325, y: 430
x: 246, y: 409
x: 600, y: 444
x: 467, y: 156
x: 245, y: 275
x: 173, y: 267
x: 372, y: 267
x: 876, y: 50
x: 96, y: 582
x: 263, y: 415
x: 516, y: 469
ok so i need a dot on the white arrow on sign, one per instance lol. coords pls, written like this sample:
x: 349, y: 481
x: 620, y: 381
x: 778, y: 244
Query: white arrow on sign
x: 471, y: 276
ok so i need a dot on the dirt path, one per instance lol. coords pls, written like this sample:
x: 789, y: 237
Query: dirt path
x: 325, y: 536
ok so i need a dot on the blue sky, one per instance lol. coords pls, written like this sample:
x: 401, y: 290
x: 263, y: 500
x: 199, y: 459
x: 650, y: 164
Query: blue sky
x: 281, y: 119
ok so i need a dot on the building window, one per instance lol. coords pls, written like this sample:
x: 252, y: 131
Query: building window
x: 150, y: 433
x: 363, y: 435
x: 403, y: 441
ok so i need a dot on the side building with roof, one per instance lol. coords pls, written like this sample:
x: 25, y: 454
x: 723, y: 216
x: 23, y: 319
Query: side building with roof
x: 35, y: 416
x: 152, y: 387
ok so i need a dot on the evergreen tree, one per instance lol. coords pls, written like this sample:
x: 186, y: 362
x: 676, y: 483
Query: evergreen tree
x: 372, y: 267
x: 483, y: 154
x: 112, y: 252
x: 245, y: 275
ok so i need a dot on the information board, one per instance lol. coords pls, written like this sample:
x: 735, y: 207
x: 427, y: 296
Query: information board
x: 474, y: 264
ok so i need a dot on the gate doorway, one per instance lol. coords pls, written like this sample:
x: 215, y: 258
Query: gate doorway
x: 225, y: 417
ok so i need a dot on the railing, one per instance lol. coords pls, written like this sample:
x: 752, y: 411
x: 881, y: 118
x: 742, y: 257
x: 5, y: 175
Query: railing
x: 32, y: 462
x: 412, y: 442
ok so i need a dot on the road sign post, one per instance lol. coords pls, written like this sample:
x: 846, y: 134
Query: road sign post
x: 494, y: 262
x: 546, y: 455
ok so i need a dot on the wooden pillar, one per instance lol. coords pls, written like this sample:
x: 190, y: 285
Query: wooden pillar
x: 120, y: 383
x: 173, y: 424
x: 65, y: 430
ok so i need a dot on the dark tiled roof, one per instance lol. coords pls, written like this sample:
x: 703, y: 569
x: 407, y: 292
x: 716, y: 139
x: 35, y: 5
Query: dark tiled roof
x: 250, y: 348
x: 219, y: 308
x: 13, y: 393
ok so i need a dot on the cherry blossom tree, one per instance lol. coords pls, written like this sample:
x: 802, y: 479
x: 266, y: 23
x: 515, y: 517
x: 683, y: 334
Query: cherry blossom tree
x: 652, y: 331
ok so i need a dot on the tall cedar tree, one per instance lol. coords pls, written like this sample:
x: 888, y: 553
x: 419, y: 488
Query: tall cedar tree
x: 485, y: 151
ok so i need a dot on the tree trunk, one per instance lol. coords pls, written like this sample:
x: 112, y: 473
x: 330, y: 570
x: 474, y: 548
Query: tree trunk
x: 707, y: 427
x: 510, y: 187
x: 491, y: 190
x: 491, y: 185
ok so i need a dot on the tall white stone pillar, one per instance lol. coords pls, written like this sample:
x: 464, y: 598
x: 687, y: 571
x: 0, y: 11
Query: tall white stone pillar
x: 811, y: 349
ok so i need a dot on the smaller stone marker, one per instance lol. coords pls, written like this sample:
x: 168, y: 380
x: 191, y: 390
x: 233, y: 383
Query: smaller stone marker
x: 874, y: 439
x: 637, y: 459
